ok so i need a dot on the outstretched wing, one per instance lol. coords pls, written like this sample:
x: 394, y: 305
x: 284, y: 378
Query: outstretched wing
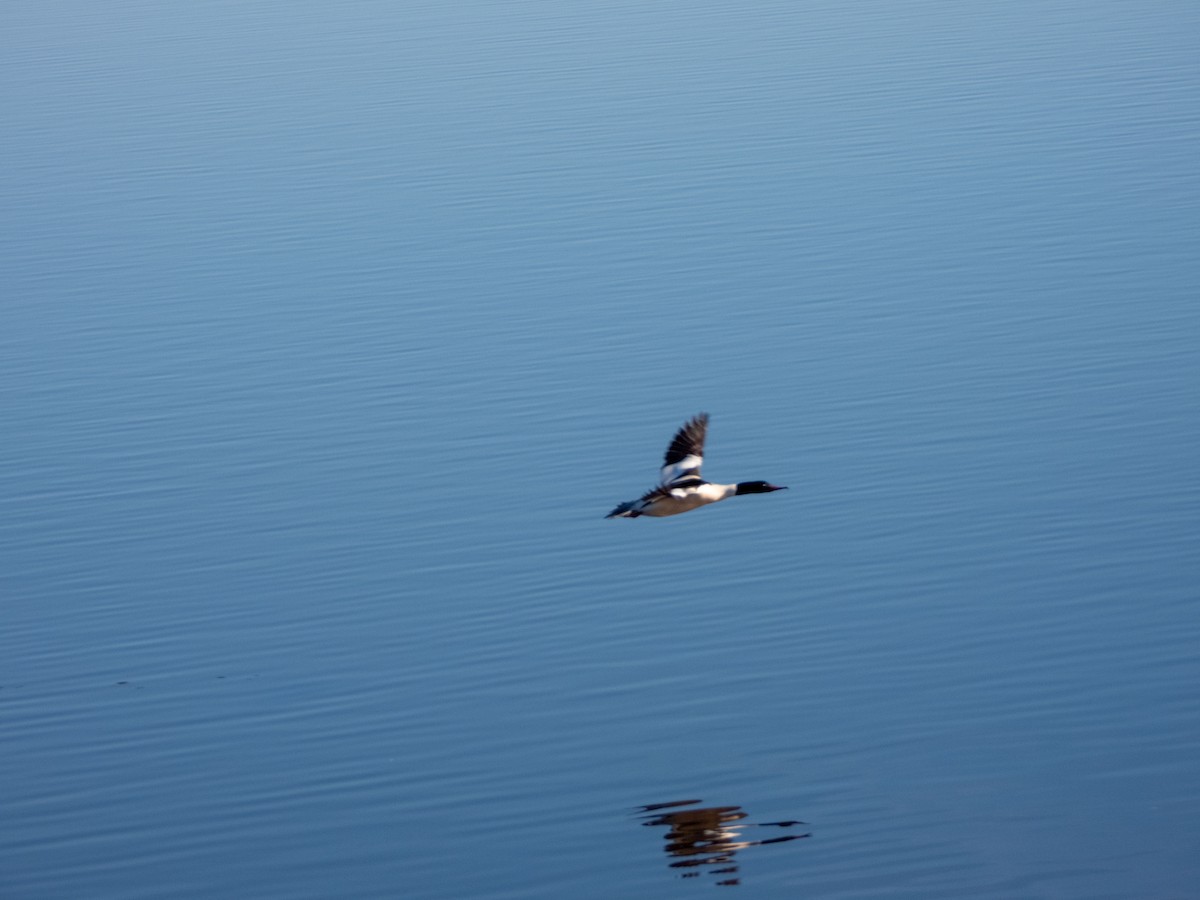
x: 681, y: 465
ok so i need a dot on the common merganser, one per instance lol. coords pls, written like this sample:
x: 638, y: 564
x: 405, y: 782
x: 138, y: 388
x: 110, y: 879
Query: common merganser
x: 680, y: 487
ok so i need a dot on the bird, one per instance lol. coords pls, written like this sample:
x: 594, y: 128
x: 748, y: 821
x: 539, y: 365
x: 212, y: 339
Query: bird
x: 680, y: 487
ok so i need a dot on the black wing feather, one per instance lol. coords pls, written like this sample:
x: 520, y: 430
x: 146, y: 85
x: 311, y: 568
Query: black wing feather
x: 688, y: 440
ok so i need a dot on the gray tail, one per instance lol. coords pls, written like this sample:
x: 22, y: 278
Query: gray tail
x: 624, y: 511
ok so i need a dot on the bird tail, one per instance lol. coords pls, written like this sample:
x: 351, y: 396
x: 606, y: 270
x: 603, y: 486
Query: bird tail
x: 624, y: 511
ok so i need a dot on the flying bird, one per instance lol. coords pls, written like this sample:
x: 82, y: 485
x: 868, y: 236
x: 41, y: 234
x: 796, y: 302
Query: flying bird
x: 680, y: 487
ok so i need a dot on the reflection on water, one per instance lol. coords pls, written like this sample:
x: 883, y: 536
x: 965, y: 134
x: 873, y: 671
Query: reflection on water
x: 710, y: 836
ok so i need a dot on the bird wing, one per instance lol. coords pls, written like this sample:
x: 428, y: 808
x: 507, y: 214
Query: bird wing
x: 681, y: 465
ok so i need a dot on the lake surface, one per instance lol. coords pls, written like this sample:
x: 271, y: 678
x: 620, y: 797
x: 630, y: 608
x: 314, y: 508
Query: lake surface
x: 332, y: 331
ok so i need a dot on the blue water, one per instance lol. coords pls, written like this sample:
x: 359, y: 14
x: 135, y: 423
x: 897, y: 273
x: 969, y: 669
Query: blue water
x: 332, y: 331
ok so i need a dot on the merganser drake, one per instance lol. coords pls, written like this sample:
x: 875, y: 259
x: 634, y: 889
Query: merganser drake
x: 680, y: 487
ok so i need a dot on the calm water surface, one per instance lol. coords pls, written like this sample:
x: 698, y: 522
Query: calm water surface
x: 332, y: 331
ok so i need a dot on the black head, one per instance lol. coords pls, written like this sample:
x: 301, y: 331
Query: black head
x: 758, y: 487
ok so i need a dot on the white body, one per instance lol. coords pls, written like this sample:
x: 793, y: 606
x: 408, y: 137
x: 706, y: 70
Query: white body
x: 674, y: 501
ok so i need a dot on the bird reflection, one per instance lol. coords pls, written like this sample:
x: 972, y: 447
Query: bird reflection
x: 705, y: 840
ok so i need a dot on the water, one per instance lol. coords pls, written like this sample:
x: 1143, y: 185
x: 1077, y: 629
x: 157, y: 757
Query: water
x: 331, y: 333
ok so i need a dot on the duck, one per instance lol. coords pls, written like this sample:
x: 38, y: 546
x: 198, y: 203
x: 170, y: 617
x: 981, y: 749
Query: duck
x: 680, y: 488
